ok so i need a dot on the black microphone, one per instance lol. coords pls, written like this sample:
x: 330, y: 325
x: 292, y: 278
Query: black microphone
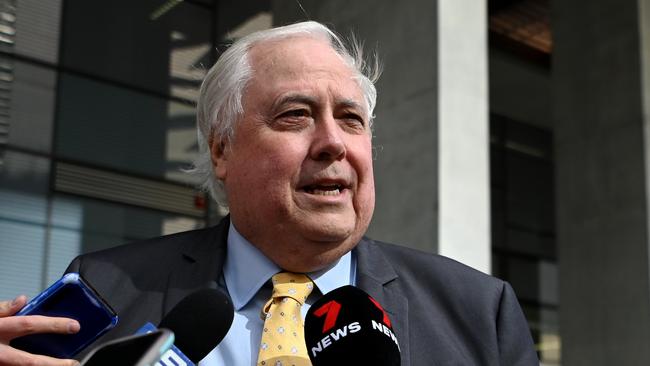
x: 199, y: 322
x: 348, y: 327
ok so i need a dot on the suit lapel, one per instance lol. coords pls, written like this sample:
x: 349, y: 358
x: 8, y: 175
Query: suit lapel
x: 199, y: 265
x: 376, y: 276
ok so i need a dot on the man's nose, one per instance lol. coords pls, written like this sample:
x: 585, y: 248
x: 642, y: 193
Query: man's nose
x: 328, y: 142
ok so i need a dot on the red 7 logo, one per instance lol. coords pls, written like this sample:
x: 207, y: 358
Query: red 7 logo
x: 332, y: 309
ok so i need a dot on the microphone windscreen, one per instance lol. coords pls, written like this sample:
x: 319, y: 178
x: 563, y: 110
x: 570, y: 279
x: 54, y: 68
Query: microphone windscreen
x: 199, y: 322
x: 348, y: 327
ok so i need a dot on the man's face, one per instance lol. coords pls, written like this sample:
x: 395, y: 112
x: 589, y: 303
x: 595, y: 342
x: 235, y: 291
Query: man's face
x: 298, y: 173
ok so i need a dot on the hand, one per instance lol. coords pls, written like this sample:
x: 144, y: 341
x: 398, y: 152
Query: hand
x: 16, y: 326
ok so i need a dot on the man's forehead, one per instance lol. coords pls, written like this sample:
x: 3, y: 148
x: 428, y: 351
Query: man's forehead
x: 300, y: 65
x: 295, y: 54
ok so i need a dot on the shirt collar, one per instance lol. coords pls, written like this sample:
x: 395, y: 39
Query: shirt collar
x: 246, y: 270
x: 339, y: 274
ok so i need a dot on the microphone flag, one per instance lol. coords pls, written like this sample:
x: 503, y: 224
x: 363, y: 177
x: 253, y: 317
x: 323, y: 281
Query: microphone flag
x: 348, y: 327
x: 173, y: 356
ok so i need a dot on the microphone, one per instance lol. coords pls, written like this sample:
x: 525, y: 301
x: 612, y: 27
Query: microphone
x: 199, y: 322
x: 347, y: 326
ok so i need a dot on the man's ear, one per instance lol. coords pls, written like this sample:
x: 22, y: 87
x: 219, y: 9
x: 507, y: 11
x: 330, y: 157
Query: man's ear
x: 219, y: 155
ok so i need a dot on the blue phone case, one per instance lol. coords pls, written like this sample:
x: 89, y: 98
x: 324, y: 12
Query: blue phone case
x: 69, y: 297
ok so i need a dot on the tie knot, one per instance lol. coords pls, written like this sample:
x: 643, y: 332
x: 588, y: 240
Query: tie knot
x: 294, y: 285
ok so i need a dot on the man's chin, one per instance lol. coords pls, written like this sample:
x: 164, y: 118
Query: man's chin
x: 327, y: 232
x: 330, y: 230
x: 316, y: 259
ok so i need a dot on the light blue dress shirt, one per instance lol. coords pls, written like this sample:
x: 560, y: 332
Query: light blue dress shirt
x: 246, y: 274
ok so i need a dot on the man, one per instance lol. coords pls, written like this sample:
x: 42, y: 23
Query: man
x: 285, y: 130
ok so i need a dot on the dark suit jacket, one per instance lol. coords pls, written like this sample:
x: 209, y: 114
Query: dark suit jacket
x: 443, y: 312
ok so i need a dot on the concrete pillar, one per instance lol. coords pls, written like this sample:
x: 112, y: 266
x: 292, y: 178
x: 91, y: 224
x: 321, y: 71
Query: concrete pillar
x: 463, y: 133
x: 431, y: 164
x: 601, y: 150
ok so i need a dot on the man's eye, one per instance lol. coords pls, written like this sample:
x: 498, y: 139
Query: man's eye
x: 295, y: 113
x: 354, y: 119
x: 293, y: 119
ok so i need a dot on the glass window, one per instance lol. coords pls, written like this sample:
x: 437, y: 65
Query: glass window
x: 122, y: 129
x: 41, y: 235
x: 159, y: 46
x: 37, y: 25
x: 523, y: 229
x: 27, y: 99
x: 24, y: 183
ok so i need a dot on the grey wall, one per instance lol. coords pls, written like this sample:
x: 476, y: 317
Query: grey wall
x: 601, y: 180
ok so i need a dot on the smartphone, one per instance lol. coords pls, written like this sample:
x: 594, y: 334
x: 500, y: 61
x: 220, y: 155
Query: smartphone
x: 136, y: 350
x: 69, y: 297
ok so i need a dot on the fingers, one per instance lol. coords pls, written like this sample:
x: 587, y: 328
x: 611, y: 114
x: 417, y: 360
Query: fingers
x: 18, y: 326
x: 11, y: 356
x: 8, y: 308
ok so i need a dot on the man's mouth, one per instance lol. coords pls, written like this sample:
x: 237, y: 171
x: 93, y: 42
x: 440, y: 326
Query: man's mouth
x: 324, y: 189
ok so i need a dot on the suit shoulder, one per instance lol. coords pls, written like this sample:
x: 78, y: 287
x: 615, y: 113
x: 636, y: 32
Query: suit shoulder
x: 151, y: 254
x: 434, y: 262
x: 152, y: 247
x: 435, y: 271
x: 148, y: 262
x: 473, y: 317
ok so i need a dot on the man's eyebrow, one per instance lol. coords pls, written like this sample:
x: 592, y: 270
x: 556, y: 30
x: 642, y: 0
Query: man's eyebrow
x: 294, y: 98
x: 312, y: 101
x: 349, y: 103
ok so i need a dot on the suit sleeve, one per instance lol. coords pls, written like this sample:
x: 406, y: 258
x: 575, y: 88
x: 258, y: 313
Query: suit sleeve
x: 515, y: 342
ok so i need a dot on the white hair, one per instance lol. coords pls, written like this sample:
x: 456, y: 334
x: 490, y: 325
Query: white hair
x: 219, y: 105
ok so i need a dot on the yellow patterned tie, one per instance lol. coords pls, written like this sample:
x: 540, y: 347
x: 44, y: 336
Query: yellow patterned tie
x: 283, y: 336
